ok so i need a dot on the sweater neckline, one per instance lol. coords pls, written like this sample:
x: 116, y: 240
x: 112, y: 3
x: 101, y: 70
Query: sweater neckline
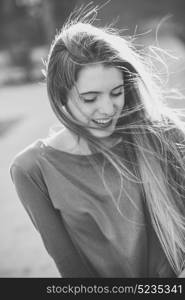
x: 53, y: 150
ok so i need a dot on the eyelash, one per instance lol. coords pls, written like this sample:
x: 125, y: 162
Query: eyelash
x: 90, y: 100
x: 117, y: 94
x: 94, y: 99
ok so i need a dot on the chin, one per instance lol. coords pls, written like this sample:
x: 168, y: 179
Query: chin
x: 102, y: 134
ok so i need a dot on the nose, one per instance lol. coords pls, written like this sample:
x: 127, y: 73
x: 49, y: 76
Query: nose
x: 106, y: 107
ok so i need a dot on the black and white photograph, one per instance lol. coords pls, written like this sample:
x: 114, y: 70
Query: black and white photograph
x: 92, y: 139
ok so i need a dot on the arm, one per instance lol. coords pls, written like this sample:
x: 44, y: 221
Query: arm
x: 48, y: 222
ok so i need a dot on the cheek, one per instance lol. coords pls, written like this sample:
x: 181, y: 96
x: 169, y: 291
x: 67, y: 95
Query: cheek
x: 85, y: 113
x: 77, y: 110
x: 121, y: 102
x: 88, y: 110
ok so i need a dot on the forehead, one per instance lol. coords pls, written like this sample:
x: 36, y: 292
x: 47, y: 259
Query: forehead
x: 98, y: 77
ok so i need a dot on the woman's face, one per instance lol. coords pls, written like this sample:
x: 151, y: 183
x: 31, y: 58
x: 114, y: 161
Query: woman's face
x: 101, y: 91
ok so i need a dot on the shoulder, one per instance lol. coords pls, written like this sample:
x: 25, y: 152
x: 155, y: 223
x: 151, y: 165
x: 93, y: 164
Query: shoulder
x: 169, y: 131
x: 175, y: 137
x: 176, y: 134
x: 27, y: 159
x: 25, y: 168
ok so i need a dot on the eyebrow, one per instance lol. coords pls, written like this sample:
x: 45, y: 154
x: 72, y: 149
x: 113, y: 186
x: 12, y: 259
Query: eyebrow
x: 97, y: 92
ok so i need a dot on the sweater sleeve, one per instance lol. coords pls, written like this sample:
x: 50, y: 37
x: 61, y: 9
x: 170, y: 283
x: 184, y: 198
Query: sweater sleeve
x: 49, y: 224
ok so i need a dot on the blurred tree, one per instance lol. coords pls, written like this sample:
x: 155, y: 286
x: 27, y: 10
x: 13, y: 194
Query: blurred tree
x: 134, y: 13
x: 37, y: 20
x: 48, y: 19
x: 34, y: 21
x: 54, y: 13
x: 26, y: 24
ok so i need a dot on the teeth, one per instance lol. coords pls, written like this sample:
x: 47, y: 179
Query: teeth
x: 102, y: 121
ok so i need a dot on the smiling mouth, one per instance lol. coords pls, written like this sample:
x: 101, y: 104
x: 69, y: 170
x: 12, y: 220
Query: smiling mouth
x: 103, y: 122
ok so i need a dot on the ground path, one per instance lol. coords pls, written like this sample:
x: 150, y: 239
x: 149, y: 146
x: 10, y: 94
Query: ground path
x: 21, y: 252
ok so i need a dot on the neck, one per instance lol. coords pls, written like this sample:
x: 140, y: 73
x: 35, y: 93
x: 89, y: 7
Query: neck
x: 107, y: 142
x: 79, y: 145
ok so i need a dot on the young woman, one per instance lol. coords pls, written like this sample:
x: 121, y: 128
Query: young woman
x: 106, y: 192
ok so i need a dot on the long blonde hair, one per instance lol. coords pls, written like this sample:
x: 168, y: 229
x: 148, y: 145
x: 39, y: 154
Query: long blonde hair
x: 153, y: 134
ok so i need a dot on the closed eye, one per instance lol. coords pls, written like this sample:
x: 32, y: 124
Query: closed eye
x: 89, y: 99
x: 117, y: 94
x: 92, y: 96
x: 117, y: 91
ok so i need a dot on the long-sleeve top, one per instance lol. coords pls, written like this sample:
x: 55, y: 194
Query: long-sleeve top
x: 78, y: 219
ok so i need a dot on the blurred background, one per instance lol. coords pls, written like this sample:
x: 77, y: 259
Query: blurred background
x: 27, y: 28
